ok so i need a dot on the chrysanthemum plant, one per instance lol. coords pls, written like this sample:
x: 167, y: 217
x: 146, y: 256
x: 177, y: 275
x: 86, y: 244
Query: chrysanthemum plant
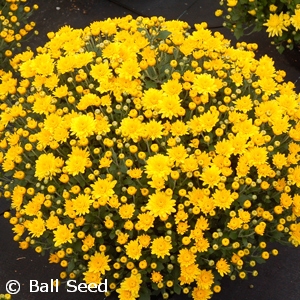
x: 279, y: 18
x: 156, y: 158
x: 14, y: 27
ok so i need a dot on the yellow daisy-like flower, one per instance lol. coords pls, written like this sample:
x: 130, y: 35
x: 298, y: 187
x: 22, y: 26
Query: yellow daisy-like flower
x: 182, y: 227
x: 189, y: 273
x: 145, y: 221
x: 65, y: 64
x: 131, y: 284
x: 32, y: 208
x: 235, y: 223
x: 202, y: 245
x: 61, y: 91
x: 133, y: 249
x: 211, y: 176
x: 126, y: 211
x: 46, y: 166
x: 295, y: 19
x: 156, y: 277
x: 200, y: 293
x: 151, y: 98
x: 17, y: 196
x: 43, y: 64
x: 257, y: 156
x: 131, y: 128
x: 78, y: 161
x: 62, y: 235
x: 83, y: 126
x: 178, y: 154
x: 161, y: 247
x: 36, y: 227
x: 223, y: 198
x: 122, y: 238
x: 275, y: 25
x: 144, y: 240
x: 53, y: 258
x: 222, y: 267
x: 19, y: 229
x: 205, y: 279
x: 52, y: 222
x: 105, y: 162
x: 88, y: 100
x: 209, y: 120
x: 170, y: 106
x: 159, y: 166
x: 103, y: 188
x: 92, y: 277
x: 42, y: 104
x: 81, y: 204
x: 8, y: 165
x: 135, y: 173
x: 99, y: 263
x: 101, y: 71
x: 186, y: 257
x: 179, y: 128
x: 160, y: 204
x: 126, y: 294
x: 153, y: 129
x: 205, y: 84
x: 244, y: 103
x: 129, y: 69
x: 172, y: 87
x: 294, y: 177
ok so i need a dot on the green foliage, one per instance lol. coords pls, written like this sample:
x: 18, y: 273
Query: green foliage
x: 279, y: 18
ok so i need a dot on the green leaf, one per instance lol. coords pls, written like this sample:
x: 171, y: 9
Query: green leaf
x: 244, y: 242
x: 233, y: 235
x: 144, y: 294
x: 150, y: 84
x: 86, y: 228
x: 280, y: 49
x: 277, y: 235
x: 160, y: 266
x: 123, y: 169
x: 238, y: 32
x: 260, y: 260
x: 163, y: 34
x: 77, y: 246
x: 177, y: 289
x: 112, y: 235
x: 128, y: 181
x: 71, y: 266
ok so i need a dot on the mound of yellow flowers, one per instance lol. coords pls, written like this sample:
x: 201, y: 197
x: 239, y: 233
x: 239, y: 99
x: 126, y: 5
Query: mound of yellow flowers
x: 14, y: 28
x: 154, y: 157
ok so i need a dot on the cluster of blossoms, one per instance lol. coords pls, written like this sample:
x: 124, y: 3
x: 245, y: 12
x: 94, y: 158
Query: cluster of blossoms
x: 14, y: 26
x: 280, y: 18
x: 154, y: 157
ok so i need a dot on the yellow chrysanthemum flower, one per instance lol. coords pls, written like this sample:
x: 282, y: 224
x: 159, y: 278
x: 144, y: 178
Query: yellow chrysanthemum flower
x: 161, y: 247
x: 275, y: 24
x: 133, y: 249
x: 47, y: 166
x: 99, y: 263
x: 222, y: 267
x: 160, y: 204
x: 62, y: 235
